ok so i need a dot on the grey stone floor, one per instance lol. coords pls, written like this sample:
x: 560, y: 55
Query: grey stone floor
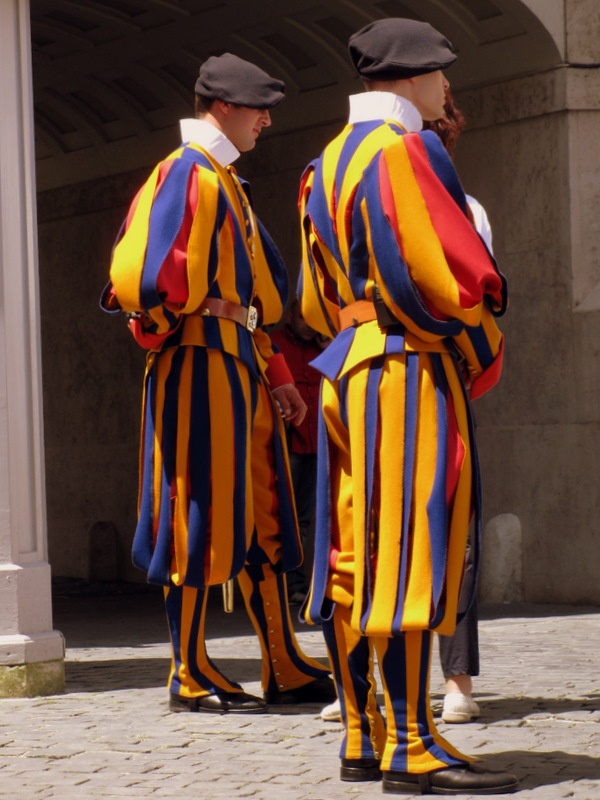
x: 111, y: 735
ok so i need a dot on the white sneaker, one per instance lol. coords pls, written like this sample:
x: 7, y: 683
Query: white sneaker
x: 459, y: 707
x: 332, y: 712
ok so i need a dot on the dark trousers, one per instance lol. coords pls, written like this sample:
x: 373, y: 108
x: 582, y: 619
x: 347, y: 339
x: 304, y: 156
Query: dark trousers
x: 459, y: 653
x: 303, y: 467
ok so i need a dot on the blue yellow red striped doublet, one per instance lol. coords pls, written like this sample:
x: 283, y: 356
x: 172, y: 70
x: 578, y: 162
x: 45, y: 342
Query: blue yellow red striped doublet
x: 398, y: 477
x: 208, y: 477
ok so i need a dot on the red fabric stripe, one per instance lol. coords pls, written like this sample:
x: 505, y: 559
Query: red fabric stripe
x: 278, y: 372
x: 388, y: 205
x: 488, y: 379
x: 456, y: 453
x: 466, y: 254
x: 172, y: 280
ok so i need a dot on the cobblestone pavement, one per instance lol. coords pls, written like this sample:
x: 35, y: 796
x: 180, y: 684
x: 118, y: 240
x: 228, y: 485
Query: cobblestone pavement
x: 111, y: 735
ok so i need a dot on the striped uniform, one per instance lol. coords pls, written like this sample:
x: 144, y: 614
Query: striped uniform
x: 215, y: 495
x: 398, y: 476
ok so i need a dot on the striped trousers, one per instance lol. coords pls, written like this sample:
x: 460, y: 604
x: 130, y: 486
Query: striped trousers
x: 284, y: 665
x: 411, y: 742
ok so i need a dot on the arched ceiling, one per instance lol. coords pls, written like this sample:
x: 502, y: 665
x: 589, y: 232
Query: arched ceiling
x: 106, y: 72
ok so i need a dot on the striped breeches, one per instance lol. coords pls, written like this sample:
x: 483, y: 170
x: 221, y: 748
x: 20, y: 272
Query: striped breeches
x: 284, y: 665
x: 411, y: 742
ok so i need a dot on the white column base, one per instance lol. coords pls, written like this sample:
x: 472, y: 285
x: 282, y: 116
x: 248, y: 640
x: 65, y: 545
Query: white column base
x: 31, y: 653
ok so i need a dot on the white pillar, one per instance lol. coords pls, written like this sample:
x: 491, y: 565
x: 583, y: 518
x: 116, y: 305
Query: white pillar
x: 31, y: 653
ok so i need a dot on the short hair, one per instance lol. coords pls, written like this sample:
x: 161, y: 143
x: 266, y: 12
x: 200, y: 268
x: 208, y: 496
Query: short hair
x: 202, y: 105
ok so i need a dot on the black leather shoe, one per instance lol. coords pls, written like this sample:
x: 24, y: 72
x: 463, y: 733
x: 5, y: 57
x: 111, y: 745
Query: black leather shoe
x: 220, y: 703
x: 321, y: 690
x: 360, y: 769
x: 461, y: 779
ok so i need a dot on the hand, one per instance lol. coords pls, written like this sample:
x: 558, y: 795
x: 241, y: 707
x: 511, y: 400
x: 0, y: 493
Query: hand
x: 293, y: 407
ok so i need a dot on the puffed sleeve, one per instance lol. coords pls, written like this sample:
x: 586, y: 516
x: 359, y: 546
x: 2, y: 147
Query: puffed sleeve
x: 167, y: 253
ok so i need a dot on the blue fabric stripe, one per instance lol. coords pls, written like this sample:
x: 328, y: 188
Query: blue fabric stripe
x: 174, y: 602
x: 257, y: 574
x: 410, y: 436
x: 317, y: 207
x: 213, y: 253
x: 332, y: 359
x: 315, y: 612
x: 437, y: 507
x: 173, y: 607
x: 240, y: 432
x: 443, y: 167
x: 328, y: 628
x: 393, y: 668
x: 371, y: 424
x: 358, y: 257
x: 199, y: 470
x: 306, y: 224
x: 356, y: 135
x: 481, y: 345
x: 394, y: 340
x: 159, y: 568
x: 166, y: 216
x: 358, y: 661
x: 275, y: 262
x: 475, y: 497
x: 196, y: 156
x: 143, y: 544
x: 392, y: 265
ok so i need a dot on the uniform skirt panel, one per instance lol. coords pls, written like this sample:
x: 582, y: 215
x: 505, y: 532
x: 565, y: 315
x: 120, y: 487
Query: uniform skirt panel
x: 396, y: 437
x: 215, y: 489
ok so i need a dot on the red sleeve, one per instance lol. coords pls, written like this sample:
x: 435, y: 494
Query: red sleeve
x: 278, y: 372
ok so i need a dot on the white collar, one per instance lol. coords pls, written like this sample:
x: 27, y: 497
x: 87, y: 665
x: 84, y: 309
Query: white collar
x: 211, y: 139
x: 368, y: 106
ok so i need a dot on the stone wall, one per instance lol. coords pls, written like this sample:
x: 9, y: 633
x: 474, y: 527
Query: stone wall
x: 529, y: 155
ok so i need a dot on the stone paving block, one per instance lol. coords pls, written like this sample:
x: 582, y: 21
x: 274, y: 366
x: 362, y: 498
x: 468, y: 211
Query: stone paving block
x: 113, y: 729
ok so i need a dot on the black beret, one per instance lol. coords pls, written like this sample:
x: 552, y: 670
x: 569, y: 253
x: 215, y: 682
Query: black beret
x: 394, y: 49
x: 234, y: 80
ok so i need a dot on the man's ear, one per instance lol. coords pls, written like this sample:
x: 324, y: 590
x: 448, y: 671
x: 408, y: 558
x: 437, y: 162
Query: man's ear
x: 224, y: 107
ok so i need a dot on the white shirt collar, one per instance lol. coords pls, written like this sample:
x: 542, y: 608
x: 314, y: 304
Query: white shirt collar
x: 210, y: 139
x: 368, y: 106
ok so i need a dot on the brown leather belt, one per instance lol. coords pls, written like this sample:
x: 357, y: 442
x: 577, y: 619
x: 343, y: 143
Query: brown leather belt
x: 225, y: 309
x: 356, y: 313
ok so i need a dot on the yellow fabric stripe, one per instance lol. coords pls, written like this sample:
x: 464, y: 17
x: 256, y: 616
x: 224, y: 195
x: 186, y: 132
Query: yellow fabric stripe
x: 263, y: 479
x: 422, y: 249
x: 163, y: 369
x: 194, y: 659
x: 357, y: 388
x: 200, y: 238
x: 391, y: 471
x: 417, y: 608
x: 460, y: 509
x: 222, y: 468
x: 346, y: 641
x: 180, y: 511
x: 341, y: 582
x: 129, y: 255
x: 284, y: 661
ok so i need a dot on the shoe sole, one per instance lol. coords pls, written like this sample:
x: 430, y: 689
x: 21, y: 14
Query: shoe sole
x: 397, y: 787
x: 457, y: 717
x: 349, y: 774
x: 182, y: 708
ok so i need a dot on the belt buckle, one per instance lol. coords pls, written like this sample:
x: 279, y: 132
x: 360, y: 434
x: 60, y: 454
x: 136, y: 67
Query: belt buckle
x: 252, y: 320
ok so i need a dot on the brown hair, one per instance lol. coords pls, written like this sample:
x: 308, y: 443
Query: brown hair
x: 202, y: 105
x: 449, y: 126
